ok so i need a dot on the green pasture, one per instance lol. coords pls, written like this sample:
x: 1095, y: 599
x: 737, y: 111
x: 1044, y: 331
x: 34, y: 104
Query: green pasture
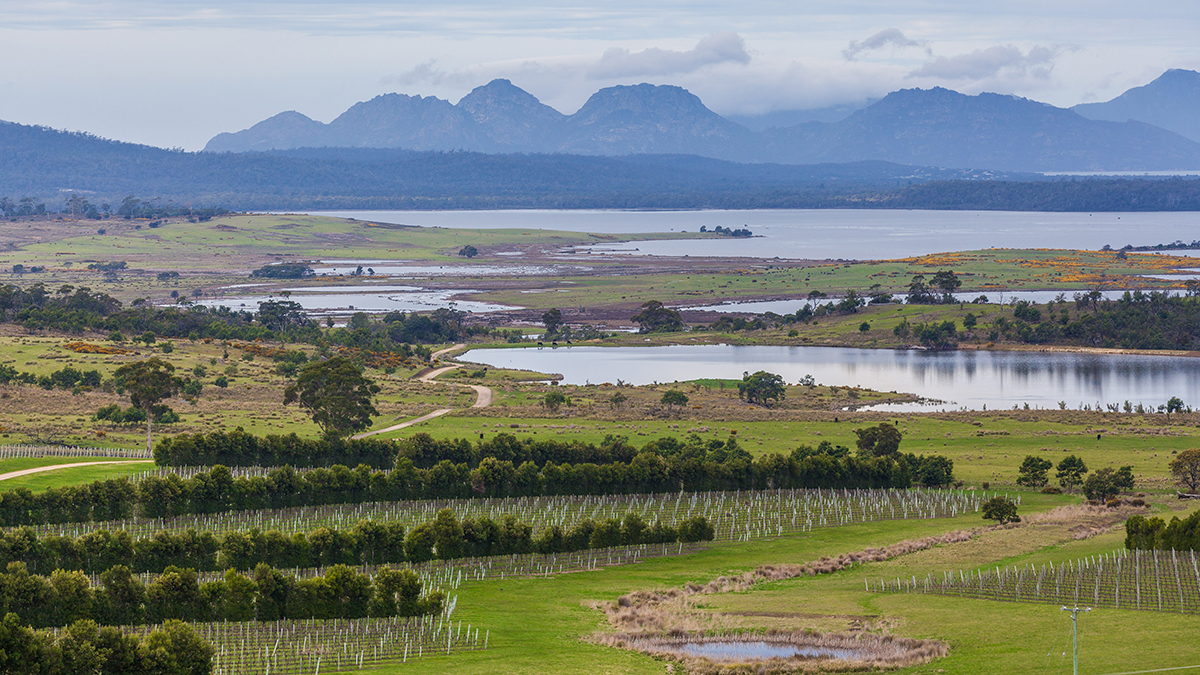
x: 990, y: 451
x: 537, y: 625
x: 21, y: 463
x: 79, y: 475
x: 211, y: 246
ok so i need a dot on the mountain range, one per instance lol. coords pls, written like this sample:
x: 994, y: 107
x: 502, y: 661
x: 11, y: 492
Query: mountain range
x: 56, y: 166
x: 1172, y: 102
x: 1145, y: 129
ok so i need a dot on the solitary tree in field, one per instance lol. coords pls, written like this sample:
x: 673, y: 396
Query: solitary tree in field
x: 947, y: 282
x: 617, y: 400
x: 555, y: 400
x: 673, y: 397
x: 148, y: 383
x: 553, y: 321
x: 880, y: 440
x: 1001, y: 510
x: 468, y: 251
x: 762, y: 387
x: 336, y: 394
x: 1070, y: 472
x: 1174, y: 404
x: 657, y: 318
x: 1186, y: 469
x: 1104, y: 484
x: 1033, y: 471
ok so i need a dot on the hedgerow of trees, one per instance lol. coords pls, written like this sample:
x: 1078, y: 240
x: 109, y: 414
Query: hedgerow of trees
x: 458, y: 469
x: 177, y: 594
x: 85, y: 647
x: 366, y: 543
x: 1145, y: 534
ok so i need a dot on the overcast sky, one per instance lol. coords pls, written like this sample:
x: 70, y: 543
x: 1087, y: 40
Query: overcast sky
x: 174, y: 74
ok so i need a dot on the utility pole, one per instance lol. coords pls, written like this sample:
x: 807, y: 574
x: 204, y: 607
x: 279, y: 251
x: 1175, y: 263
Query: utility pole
x: 1075, y: 630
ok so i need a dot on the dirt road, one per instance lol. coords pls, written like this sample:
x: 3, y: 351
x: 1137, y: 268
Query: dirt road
x: 54, y: 467
x: 483, y: 397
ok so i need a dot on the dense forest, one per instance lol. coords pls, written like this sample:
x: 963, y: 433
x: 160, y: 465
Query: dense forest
x: 36, y: 163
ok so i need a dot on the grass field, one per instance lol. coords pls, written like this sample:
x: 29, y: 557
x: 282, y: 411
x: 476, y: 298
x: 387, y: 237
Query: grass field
x: 537, y: 625
x: 77, y: 475
x: 984, y: 446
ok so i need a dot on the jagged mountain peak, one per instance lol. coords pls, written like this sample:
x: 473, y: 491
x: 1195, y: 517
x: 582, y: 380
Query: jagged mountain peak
x: 512, y: 117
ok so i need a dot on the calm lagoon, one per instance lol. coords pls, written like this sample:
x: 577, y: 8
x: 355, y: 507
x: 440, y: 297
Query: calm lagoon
x: 828, y: 233
x: 960, y: 379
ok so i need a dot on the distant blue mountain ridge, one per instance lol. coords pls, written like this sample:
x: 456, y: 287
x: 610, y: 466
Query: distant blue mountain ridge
x: 1150, y: 128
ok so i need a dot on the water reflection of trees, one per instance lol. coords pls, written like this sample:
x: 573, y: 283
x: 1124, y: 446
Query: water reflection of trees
x: 1000, y: 379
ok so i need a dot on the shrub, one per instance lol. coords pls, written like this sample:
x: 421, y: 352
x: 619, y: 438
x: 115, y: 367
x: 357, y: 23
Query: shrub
x: 1001, y: 510
x: 1052, y: 490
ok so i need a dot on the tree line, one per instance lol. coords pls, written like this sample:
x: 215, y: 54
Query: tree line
x: 366, y: 543
x: 85, y: 647
x: 238, y: 448
x: 1138, y: 320
x: 267, y: 594
x: 1146, y: 534
x: 665, y: 465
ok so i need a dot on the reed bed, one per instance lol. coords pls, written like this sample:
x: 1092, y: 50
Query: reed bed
x: 1160, y: 581
x: 15, y: 451
x: 737, y: 516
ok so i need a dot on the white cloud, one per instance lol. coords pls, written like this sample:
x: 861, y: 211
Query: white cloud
x: 981, y: 64
x: 723, y: 47
x: 891, y: 37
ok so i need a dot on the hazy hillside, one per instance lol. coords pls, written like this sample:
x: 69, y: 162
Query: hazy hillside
x: 939, y: 127
x: 41, y: 162
x: 52, y: 165
x: 1172, y: 102
x: 935, y: 127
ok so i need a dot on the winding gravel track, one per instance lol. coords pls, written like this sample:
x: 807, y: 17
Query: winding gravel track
x: 483, y: 397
